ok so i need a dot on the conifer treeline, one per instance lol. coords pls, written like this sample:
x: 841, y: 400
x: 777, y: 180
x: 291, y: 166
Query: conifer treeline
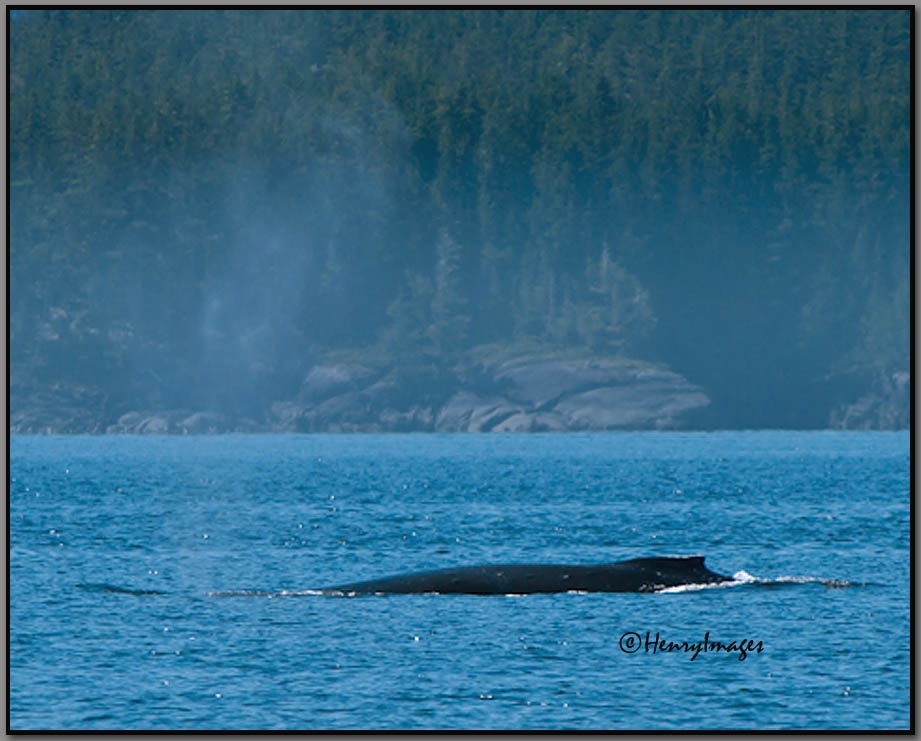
x: 227, y: 195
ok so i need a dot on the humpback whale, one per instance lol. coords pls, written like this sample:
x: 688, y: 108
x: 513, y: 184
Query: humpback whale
x: 633, y: 575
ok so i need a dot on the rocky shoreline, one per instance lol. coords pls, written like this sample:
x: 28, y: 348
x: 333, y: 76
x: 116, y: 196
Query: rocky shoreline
x: 517, y: 396
x: 521, y: 394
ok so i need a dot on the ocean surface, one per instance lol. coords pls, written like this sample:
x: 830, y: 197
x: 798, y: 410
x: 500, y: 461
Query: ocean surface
x: 159, y: 582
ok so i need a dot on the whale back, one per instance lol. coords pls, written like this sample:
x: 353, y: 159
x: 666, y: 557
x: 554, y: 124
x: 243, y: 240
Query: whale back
x: 634, y: 575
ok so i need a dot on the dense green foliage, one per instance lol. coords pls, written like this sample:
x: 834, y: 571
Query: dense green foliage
x: 204, y: 202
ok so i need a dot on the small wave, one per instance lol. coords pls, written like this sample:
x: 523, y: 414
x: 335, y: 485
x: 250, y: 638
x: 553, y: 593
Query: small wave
x: 115, y: 589
x: 298, y: 592
x: 828, y: 583
x: 698, y: 587
x: 744, y: 579
x: 263, y: 593
x: 239, y: 593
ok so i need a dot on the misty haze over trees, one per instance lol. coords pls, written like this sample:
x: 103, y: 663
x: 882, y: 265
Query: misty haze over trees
x: 207, y: 204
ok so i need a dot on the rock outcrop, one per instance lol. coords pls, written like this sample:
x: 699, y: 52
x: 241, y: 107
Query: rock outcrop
x: 177, y: 422
x: 522, y: 394
x: 58, y: 409
x: 886, y: 407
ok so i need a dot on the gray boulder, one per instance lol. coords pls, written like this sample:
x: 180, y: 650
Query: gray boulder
x: 284, y: 415
x: 202, y: 423
x: 156, y: 424
x: 326, y: 381
x: 126, y: 423
x: 469, y: 412
x: 655, y: 401
x: 532, y: 422
x: 586, y: 394
x: 417, y: 419
x: 540, y: 384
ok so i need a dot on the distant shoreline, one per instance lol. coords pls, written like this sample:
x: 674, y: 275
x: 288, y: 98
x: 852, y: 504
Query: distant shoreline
x: 526, y: 394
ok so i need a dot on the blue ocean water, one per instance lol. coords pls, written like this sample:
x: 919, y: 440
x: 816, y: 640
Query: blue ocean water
x: 117, y: 545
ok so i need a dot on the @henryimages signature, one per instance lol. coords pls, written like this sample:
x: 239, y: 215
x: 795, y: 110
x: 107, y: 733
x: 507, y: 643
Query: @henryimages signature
x: 631, y: 642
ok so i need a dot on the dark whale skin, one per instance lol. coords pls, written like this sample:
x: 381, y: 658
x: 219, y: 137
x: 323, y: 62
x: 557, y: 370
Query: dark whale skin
x: 633, y: 575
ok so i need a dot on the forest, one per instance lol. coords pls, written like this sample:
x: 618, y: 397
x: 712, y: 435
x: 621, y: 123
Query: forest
x: 205, y: 203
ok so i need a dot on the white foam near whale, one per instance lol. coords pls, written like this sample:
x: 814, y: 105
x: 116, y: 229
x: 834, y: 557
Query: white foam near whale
x: 742, y: 578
